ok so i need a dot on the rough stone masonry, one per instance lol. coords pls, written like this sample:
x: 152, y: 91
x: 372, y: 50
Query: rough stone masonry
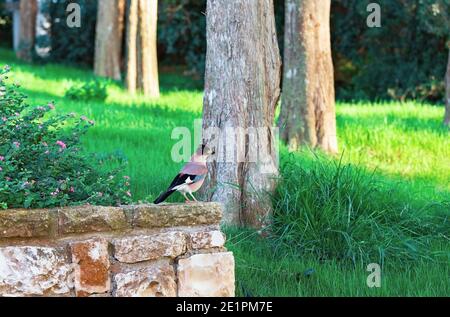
x: 142, y: 250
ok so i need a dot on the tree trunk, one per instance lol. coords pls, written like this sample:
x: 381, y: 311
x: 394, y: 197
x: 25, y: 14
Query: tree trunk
x: 242, y: 88
x: 131, y: 46
x: 108, y: 42
x: 308, y: 106
x: 447, y: 93
x: 141, y: 41
x: 147, y: 36
x: 28, y: 11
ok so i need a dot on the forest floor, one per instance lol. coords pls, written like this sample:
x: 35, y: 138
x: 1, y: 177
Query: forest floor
x: 404, y: 144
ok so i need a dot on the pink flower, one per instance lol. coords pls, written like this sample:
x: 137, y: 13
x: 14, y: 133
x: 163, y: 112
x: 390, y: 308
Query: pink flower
x: 100, y: 194
x: 1, y: 169
x: 16, y: 144
x: 2, y: 158
x: 4, y: 119
x: 61, y: 144
x: 56, y: 192
x: 126, y: 177
x: 83, y: 118
x: 8, y: 178
x: 51, y: 105
x: 72, y: 190
x: 128, y: 193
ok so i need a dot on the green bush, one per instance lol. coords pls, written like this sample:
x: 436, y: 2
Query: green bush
x: 41, y: 159
x: 93, y: 90
x: 339, y: 212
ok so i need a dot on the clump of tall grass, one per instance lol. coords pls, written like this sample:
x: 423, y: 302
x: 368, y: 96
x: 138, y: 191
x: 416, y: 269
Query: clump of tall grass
x: 338, y: 211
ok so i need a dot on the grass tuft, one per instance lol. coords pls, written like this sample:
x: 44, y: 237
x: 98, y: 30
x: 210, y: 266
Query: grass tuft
x: 332, y: 210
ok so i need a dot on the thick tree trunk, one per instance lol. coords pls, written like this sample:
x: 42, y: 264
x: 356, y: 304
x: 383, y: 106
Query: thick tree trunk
x: 141, y: 41
x: 447, y: 93
x: 308, y: 105
x: 28, y: 11
x: 242, y: 88
x: 108, y: 42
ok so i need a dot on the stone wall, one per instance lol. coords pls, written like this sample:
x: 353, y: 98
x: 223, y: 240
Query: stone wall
x: 142, y: 250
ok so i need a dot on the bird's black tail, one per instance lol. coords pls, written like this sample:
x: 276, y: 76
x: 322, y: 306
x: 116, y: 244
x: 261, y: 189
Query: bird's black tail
x: 163, y: 196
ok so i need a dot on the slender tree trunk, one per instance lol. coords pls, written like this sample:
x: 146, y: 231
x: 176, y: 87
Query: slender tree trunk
x: 447, y: 93
x: 108, y: 42
x: 141, y: 41
x: 241, y: 93
x: 308, y: 104
x: 148, y: 75
x: 28, y: 11
x: 131, y: 45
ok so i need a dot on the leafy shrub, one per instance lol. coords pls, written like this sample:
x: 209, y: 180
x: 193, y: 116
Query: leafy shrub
x: 93, y: 90
x: 334, y: 211
x: 41, y: 159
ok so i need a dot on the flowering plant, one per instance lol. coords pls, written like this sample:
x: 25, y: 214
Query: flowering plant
x: 41, y: 160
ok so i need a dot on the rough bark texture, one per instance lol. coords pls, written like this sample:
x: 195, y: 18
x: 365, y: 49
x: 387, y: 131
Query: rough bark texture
x: 108, y: 42
x: 447, y: 93
x: 308, y: 106
x: 28, y: 11
x: 142, y: 60
x: 241, y: 92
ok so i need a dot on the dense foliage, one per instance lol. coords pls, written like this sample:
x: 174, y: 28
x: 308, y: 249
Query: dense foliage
x: 403, y: 59
x: 41, y: 160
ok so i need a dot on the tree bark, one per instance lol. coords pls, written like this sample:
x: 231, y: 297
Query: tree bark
x: 108, y: 41
x: 242, y: 88
x: 131, y: 46
x: 307, y: 114
x: 141, y: 42
x: 28, y: 11
x: 447, y: 93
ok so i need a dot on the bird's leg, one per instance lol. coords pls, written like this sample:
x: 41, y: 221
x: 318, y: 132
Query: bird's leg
x: 193, y: 197
x: 187, y: 199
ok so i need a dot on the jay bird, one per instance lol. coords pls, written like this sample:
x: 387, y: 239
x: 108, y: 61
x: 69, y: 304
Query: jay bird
x: 191, y: 176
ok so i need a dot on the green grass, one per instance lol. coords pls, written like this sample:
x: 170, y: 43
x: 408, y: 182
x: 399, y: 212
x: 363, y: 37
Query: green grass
x: 405, y: 143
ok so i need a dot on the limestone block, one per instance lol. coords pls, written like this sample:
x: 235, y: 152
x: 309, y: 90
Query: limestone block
x: 21, y: 223
x: 173, y: 215
x: 206, y: 275
x: 149, y: 247
x: 34, y: 271
x: 207, y: 239
x: 157, y: 281
x: 85, y: 219
x: 91, y: 267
